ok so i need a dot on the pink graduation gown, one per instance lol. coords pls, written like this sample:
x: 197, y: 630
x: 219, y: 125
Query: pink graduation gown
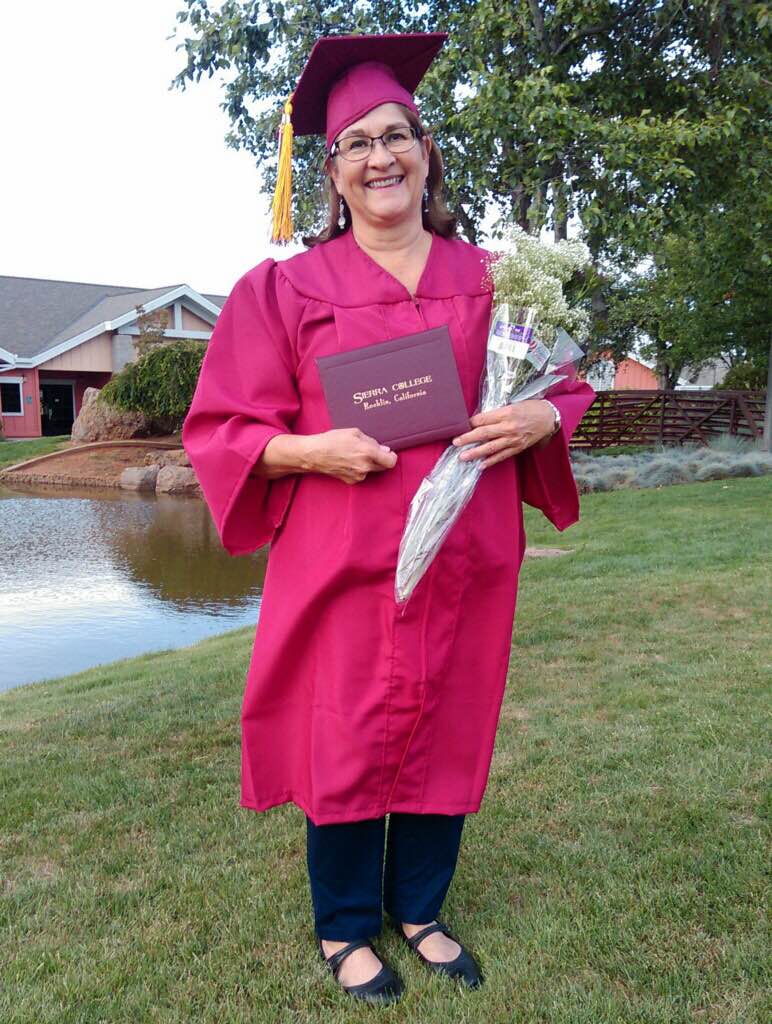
x: 353, y: 708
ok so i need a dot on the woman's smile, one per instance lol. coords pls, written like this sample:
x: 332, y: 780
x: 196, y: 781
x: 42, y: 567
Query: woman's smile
x: 381, y: 183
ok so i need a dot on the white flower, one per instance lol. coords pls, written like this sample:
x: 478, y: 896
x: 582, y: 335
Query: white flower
x: 532, y: 273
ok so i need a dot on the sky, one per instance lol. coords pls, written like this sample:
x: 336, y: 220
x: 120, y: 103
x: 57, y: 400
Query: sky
x: 108, y: 176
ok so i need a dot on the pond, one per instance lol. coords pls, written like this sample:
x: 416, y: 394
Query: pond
x: 89, y: 576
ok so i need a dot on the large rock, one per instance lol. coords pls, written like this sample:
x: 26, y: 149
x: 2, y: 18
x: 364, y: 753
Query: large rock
x: 98, y: 421
x: 139, y: 478
x: 173, y: 457
x: 176, y: 480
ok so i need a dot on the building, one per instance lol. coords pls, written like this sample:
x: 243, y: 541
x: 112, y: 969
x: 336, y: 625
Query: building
x: 629, y: 374
x: 637, y: 374
x: 59, y: 337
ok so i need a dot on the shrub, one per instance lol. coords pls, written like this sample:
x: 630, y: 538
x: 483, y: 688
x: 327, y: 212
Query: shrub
x: 731, y: 443
x: 713, y: 469
x: 159, y: 384
x: 744, y: 377
x: 724, y: 457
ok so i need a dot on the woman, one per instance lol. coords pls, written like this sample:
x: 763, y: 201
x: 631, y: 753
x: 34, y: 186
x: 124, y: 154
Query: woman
x: 355, y: 709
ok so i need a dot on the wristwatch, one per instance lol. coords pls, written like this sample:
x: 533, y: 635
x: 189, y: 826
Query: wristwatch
x: 555, y: 409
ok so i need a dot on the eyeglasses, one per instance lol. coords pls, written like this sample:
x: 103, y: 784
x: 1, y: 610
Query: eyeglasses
x: 359, y: 147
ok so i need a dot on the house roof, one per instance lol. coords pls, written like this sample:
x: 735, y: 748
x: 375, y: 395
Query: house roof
x: 36, y: 314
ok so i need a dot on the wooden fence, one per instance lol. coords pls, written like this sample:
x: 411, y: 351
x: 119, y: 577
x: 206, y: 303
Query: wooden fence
x: 669, y: 417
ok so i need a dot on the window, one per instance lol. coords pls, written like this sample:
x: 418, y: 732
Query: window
x: 10, y: 397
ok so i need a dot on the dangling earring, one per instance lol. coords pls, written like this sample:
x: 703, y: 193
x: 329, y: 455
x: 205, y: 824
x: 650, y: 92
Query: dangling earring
x: 425, y: 207
x: 342, y: 215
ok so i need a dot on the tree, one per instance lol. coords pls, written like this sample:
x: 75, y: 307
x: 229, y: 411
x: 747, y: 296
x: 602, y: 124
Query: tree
x: 704, y: 293
x: 635, y: 118
x: 152, y: 328
x: 617, y: 112
x: 159, y: 384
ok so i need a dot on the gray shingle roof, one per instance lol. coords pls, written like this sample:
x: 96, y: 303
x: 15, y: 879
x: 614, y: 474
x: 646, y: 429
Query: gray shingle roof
x: 36, y: 314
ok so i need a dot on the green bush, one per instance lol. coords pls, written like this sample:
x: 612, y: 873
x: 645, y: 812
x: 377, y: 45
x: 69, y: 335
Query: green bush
x: 159, y: 384
x: 744, y: 377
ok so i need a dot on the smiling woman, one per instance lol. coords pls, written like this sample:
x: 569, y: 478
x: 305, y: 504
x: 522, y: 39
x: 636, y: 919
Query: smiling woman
x: 355, y: 709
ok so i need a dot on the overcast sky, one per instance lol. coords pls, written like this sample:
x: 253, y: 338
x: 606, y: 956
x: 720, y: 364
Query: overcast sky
x: 107, y: 176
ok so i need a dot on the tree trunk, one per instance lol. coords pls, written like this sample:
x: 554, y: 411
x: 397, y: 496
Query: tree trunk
x: 520, y: 203
x: 661, y: 366
x: 559, y: 204
x: 536, y: 218
x: 467, y: 224
x: 599, y: 308
x: 766, y: 444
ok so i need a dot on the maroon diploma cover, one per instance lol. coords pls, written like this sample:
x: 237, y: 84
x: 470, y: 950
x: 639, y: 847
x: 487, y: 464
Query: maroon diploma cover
x: 401, y: 392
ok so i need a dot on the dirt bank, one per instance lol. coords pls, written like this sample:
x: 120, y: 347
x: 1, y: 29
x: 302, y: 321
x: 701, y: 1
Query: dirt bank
x: 90, y: 465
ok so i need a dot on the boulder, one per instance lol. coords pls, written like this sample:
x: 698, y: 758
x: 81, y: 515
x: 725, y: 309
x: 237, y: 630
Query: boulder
x: 173, y: 457
x: 139, y: 478
x: 177, y: 480
x: 98, y: 421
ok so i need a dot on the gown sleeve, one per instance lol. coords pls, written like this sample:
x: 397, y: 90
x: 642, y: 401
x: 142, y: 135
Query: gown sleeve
x: 545, y: 475
x: 246, y: 394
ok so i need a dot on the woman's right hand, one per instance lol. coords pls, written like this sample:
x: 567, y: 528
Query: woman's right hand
x: 347, y: 454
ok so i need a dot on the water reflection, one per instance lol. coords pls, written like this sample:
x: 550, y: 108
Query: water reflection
x: 173, y: 550
x: 90, y: 576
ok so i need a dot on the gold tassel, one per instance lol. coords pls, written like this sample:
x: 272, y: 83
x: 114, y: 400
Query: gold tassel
x: 282, y: 197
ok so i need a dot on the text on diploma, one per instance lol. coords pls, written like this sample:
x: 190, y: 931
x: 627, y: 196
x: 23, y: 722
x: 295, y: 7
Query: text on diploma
x: 400, y: 385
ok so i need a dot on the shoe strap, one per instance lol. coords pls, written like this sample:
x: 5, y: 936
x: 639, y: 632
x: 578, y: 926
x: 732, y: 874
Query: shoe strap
x: 336, y: 959
x: 415, y: 940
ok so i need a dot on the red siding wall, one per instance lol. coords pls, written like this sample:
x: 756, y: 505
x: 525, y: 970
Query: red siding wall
x: 27, y: 425
x: 634, y: 376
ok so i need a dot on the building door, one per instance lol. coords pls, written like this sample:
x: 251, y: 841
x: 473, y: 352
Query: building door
x: 57, y: 408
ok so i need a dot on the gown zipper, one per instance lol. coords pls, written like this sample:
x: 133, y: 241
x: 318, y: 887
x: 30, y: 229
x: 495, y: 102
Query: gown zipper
x: 419, y: 311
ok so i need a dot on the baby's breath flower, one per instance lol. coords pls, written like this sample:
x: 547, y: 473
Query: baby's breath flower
x: 532, y: 273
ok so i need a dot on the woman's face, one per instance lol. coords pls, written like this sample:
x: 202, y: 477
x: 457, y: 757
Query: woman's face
x: 397, y: 200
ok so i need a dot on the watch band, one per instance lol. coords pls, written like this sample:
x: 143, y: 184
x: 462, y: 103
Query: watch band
x: 558, y: 422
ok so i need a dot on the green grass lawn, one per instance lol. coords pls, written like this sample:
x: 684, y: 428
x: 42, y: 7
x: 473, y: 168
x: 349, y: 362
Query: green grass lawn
x: 12, y: 452
x: 616, y: 871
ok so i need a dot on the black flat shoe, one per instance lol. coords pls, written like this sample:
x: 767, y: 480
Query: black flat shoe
x: 464, y: 968
x: 385, y: 987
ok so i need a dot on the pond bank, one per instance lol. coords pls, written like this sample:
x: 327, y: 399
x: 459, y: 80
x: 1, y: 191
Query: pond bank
x: 98, y: 464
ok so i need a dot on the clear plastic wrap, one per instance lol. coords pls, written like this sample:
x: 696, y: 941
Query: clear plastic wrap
x: 518, y: 366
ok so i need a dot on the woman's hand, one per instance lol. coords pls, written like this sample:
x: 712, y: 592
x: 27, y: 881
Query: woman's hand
x: 503, y: 432
x: 347, y: 454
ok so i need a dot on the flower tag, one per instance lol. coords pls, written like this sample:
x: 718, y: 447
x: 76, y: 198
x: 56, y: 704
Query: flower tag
x: 509, y: 340
x: 538, y: 353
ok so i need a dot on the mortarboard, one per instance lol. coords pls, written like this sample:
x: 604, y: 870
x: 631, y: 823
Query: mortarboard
x: 345, y: 77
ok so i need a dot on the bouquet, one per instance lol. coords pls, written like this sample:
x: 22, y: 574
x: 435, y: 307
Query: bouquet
x: 528, y: 352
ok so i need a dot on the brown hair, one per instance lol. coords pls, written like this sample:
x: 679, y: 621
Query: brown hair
x: 437, y: 217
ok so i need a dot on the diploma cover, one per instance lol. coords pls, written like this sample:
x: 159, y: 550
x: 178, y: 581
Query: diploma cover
x: 402, y: 392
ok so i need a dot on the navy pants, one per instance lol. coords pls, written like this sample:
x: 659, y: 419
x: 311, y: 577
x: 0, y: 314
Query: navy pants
x: 351, y: 885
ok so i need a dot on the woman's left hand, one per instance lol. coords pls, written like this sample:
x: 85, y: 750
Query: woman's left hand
x: 501, y: 433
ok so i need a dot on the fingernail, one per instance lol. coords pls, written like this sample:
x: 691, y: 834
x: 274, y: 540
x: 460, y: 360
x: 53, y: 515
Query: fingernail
x: 385, y: 447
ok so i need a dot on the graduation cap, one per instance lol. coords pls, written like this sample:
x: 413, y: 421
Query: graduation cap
x: 345, y: 77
